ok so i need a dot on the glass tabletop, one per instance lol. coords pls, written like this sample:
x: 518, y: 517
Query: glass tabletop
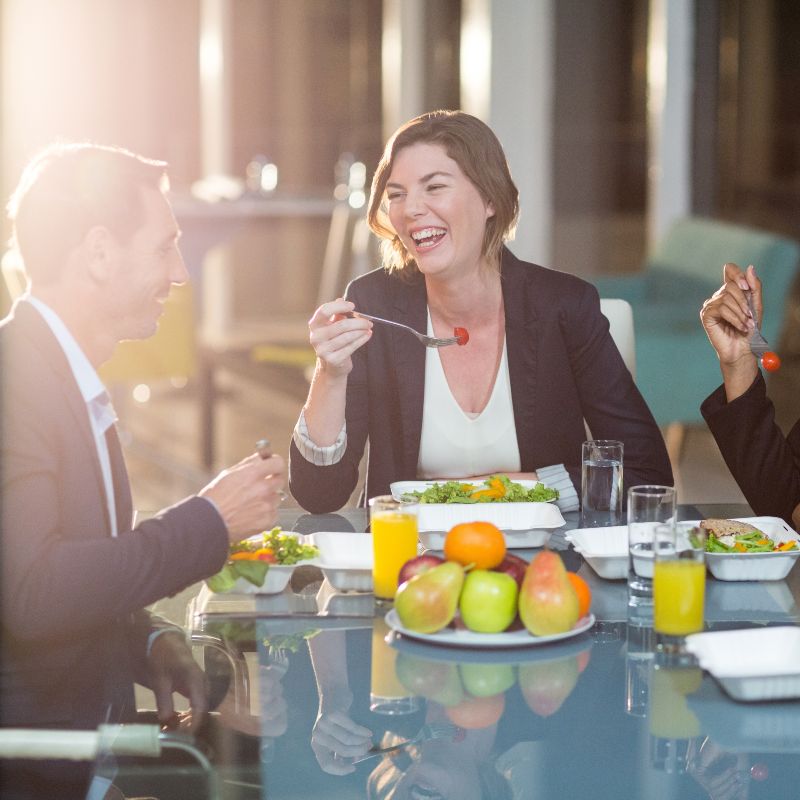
x: 314, y: 695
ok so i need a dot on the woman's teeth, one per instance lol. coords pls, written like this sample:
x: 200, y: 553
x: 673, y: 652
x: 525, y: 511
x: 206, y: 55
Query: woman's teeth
x: 428, y: 237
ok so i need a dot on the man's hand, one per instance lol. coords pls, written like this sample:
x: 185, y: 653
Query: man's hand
x: 248, y: 494
x: 172, y: 668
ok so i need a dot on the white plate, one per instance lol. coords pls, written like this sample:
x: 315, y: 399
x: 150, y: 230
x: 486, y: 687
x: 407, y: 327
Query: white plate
x: 532, y: 521
x: 751, y: 664
x: 756, y: 566
x: 465, y: 638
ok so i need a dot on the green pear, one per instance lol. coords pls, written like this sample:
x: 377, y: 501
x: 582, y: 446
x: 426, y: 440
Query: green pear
x: 422, y: 676
x: 548, y: 603
x: 452, y: 692
x: 546, y: 685
x: 428, y: 602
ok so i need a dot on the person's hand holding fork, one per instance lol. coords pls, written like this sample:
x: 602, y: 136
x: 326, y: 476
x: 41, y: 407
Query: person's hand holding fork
x: 729, y: 325
x: 334, y: 337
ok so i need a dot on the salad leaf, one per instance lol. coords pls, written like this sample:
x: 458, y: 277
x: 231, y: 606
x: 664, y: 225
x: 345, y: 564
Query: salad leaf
x: 752, y: 542
x: 462, y: 492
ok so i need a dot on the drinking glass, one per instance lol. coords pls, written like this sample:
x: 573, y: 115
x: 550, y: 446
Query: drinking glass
x: 639, y: 651
x: 679, y: 585
x: 672, y: 724
x: 394, y: 541
x: 387, y: 695
x: 648, y: 507
x: 601, y: 483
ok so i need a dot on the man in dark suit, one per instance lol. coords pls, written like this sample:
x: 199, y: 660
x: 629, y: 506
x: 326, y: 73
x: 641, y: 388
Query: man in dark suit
x: 99, y: 243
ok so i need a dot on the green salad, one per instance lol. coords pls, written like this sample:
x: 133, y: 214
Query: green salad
x: 251, y: 558
x: 495, y: 489
x: 752, y: 542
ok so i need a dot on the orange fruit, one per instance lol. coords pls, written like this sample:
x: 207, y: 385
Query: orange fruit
x: 583, y: 591
x: 479, y: 543
x: 477, y: 712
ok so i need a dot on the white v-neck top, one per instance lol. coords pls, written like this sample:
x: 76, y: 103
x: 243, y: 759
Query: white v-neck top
x: 454, y: 443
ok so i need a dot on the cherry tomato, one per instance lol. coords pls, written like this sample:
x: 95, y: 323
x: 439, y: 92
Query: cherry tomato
x: 759, y: 772
x: 462, y: 335
x: 770, y: 361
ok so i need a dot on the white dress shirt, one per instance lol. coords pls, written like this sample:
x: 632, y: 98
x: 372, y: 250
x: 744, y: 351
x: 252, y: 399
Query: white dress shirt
x: 98, y: 404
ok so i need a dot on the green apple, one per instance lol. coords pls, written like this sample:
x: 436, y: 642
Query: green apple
x: 488, y: 601
x: 485, y: 680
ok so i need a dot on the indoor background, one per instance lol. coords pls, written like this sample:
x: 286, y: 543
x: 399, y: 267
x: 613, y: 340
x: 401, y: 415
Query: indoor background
x: 618, y: 117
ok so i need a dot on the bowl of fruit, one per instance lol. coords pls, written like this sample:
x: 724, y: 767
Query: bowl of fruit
x: 480, y: 596
x: 263, y: 564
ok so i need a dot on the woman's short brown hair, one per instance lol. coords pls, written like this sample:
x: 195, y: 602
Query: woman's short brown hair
x: 474, y: 147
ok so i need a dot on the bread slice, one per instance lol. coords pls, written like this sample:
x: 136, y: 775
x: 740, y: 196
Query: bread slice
x: 727, y: 527
x: 726, y: 530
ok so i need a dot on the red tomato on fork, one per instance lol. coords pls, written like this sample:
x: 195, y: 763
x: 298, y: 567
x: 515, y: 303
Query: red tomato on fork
x: 770, y: 361
x: 462, y: 335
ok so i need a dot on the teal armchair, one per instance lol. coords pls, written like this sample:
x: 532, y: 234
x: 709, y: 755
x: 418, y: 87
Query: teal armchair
x: 676, y: 367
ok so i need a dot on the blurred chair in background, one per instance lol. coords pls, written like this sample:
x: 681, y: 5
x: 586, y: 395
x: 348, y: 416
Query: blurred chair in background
x: 676, y: 366
x: 620, y: 321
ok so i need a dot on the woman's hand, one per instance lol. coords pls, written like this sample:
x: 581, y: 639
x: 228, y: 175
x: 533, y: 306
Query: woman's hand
x: 726, y: 315
x: 335, y: 337
x: 729, y: 325
x: 336, y: 740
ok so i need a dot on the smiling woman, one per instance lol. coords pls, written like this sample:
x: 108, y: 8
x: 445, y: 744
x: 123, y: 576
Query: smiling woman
x: 538, y: 360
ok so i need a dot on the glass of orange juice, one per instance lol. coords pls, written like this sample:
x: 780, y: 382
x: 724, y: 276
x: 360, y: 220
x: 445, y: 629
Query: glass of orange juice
x: 387, y: 695
x: 679, y: 585
x: 394, y: 541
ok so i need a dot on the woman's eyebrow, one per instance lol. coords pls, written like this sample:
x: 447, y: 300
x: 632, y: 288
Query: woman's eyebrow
x: 423, y: 179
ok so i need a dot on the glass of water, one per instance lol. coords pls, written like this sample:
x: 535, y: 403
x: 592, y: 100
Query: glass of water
x: 648, y: 507
x: 601, y: 483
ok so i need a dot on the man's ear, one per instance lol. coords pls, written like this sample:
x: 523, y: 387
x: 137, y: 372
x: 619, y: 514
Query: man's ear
x: 99, y: 245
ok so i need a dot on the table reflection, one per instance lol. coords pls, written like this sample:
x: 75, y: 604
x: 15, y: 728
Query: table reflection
x: 314, y: 696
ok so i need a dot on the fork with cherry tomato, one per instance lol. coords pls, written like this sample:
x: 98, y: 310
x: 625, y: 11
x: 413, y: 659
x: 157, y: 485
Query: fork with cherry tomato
x: 460, y: 335
x: 759, y: 346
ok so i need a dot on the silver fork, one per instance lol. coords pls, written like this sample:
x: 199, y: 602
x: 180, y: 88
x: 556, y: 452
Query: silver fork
x: 428, y: 341
x: 758, y: 344
x: 431, y: 730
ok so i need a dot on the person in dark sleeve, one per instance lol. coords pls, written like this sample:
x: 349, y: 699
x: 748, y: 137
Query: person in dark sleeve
x: 764, y: 462
x: 539, y: 362
x: 99, y: 244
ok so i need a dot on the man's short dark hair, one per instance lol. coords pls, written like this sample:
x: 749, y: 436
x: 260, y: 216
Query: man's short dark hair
x: 66, y: 190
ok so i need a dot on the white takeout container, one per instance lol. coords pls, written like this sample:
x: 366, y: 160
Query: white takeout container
x: 756, y: 566
x: 523, y: 524
x: 276, y: 580
x: 751, y: 664
x: 604, y: 549
x: 345, y: 559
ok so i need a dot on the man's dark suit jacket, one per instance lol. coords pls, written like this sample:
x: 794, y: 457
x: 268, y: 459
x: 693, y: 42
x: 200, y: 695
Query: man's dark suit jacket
x: 73, y: 630
x: 563, y: 364
x: 764, y: 462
